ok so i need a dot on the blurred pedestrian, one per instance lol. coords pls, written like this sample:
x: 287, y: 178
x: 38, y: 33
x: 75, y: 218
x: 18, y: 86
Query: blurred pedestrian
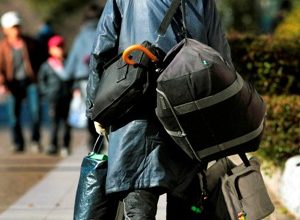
x: 43, y: 35
x: 56, y: 86
x: 19, y: 64
x: 77, y: 63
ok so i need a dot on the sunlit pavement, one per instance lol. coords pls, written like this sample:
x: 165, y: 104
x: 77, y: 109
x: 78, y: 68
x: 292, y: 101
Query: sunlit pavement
x: 43, y: 187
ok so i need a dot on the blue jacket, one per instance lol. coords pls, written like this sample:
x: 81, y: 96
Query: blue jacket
x: 140, y: 153
x: 77, y: 63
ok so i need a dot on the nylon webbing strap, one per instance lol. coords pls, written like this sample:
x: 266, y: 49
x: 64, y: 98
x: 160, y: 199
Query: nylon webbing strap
x: 234, y: 142
x: 230, y: 91
x: 168, y: 17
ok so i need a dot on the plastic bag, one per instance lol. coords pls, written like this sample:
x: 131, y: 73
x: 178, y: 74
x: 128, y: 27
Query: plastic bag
x: 91, y: 202
x: 77, y: 117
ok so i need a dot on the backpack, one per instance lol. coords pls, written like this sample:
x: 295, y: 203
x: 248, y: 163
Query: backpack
x: 205, y: 105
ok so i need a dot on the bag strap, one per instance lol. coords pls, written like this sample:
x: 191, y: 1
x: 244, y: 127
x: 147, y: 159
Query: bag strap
x: 101, y: 144
x: 244, y: 159
x: 168, y: 17
x: 184, y: 28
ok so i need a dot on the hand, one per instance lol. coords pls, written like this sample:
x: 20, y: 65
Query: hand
x: 3, y: 90
x: 99, y: 129
x: 76, y: 93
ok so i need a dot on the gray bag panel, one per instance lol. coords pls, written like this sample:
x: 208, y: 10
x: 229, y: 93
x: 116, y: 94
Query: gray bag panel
x: 244, y: 191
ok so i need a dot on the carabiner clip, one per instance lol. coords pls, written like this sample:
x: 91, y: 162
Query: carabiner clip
x: 134, y: 47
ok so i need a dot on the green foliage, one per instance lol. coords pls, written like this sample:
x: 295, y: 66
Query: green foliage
x: 271, y: 64
x: 289, y: 29
x: 282, y: 132
x: 241, y: 15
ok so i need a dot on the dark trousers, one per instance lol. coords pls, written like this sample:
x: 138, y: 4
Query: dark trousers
x: 21, y: 91
x: 142, y: 205
x: 58, y: 112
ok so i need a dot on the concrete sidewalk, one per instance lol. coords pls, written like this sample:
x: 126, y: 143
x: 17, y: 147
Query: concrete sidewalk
x: 53, y: 197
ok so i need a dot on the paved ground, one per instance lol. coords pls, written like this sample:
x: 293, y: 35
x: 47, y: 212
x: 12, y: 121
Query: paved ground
x: 41, y: 187
x: 19, y: 172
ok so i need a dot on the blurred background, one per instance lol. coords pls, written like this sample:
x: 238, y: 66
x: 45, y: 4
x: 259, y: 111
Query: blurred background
x: 265, y: 41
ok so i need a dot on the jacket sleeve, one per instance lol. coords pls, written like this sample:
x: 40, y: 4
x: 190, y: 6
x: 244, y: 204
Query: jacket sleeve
x: 215, y: 33
x: 72, y: 59
x: 104, y: 47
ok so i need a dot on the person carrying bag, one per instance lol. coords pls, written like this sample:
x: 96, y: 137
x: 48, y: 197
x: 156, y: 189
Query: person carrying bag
x: 144, y: 162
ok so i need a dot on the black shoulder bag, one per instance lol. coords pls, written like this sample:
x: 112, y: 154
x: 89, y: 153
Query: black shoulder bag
x: 126, y: 87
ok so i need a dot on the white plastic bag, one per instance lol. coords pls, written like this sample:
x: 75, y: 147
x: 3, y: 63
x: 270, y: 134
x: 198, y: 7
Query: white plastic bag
x: 77, y: 117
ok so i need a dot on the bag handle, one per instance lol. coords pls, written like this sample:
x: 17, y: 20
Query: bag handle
x: 101, y: 144
x: 128, y: 50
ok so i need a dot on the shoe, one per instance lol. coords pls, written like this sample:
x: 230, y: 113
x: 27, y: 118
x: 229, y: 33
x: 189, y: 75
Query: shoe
x: 64, y: 152
x: 35, y: 147
x: 18, y: 148
x: 52, y: 150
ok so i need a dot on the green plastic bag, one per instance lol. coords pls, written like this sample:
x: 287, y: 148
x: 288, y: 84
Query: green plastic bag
x: 91, y: 202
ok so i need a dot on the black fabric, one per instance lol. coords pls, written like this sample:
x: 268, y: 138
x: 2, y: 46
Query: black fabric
x: 123, y: 87
x: 52, y: 86
x: 58, y: 114
x: 18, y: 88
x: 193, y: 71
x: 181, y: 208
x: 141, y: 204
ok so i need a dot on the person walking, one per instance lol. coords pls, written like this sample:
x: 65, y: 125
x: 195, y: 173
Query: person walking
x: 19, y: 64
x: 143, y: 161
x: 56, y: 86
x: 77, y: 63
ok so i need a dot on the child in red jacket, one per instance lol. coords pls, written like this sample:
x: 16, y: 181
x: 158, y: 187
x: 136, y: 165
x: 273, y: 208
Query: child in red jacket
x: 57, y: 88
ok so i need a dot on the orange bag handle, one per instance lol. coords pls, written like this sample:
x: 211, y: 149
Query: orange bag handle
x: 134, y: 47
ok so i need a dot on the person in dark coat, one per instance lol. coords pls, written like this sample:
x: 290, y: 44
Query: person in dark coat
x: 143, y: 161
x: 56, y: 86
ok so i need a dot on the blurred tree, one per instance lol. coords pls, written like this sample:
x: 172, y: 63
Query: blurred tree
x: 242, y: 15
x: 254, y: 16
x: 54, y: 11
x: 63, y: 15
x: 289, y: 28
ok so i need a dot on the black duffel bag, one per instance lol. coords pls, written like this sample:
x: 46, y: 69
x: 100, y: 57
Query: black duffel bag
x: 205, y: 105
x: 125, y: 87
